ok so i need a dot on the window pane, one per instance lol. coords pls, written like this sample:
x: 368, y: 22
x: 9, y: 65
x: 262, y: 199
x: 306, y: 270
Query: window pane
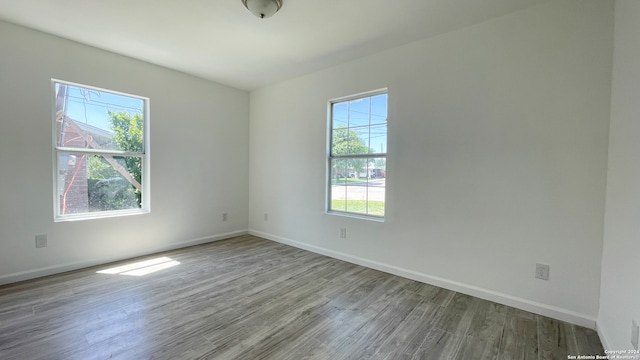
x: 346, y: 141
x: 378, y: 139
x: 379, y: 108
x: 362, y: 142
x: 88, y: 183
x: 340, y: 115
x: 359, y: 112
x: 357, y: 197
x: 89, y: 118
x: 339, y: 171
x: 340, y: 141
x: 340, y: 174
x: 376, y: 186
x: 363, y: 190
x: 359, y: 127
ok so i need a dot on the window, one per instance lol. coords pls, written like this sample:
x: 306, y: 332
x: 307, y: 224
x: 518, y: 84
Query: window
x: 358, y: 155
x: 100, y: 152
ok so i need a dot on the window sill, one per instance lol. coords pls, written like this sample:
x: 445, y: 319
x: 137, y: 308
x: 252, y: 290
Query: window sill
x: 356, y: 216
x: 100, y: 215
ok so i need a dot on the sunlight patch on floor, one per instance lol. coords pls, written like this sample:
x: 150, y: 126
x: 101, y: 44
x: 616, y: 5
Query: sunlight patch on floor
x: 141, y: 268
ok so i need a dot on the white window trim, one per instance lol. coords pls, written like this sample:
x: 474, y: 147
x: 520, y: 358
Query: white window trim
x: 146, y: 169
x: 329, y: 157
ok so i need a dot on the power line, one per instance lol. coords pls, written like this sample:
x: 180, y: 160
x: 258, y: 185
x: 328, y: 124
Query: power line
x: 104, y: 104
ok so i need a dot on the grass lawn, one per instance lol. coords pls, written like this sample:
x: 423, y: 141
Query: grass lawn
x: 359, y: 206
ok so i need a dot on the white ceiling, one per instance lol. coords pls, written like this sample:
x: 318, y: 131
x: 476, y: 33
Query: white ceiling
x: 222, y: 41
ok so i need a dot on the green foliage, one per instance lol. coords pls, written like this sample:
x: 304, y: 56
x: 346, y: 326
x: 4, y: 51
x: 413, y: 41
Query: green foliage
x: 128, y: 134
x: 112, y: 194
x: 107, y: 189
x: 98, y: 168
x: 346, y: 142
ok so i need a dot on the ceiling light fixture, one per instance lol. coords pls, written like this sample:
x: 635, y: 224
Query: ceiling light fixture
x: 263, y: 8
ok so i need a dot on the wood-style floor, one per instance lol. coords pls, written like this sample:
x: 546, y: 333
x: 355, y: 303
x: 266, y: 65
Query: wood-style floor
x: 249, y: 298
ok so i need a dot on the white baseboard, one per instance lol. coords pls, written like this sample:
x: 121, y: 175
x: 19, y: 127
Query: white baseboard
x: 603, y: 338
x: 57, y: 269
x: 505, y: 299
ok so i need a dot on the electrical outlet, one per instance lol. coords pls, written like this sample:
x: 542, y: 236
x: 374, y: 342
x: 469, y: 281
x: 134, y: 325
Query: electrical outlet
x: 542, y: 271
x: 266, y: 216
x: 225, y: 216
x: 343, y: 233
x: 635, y: 333
x: 41, y: 241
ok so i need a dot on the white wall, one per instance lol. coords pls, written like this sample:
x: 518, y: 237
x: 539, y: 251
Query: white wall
x: 199, y: 157
x: 497, y: 160
x: 620, y: 289
x: 498, y: 139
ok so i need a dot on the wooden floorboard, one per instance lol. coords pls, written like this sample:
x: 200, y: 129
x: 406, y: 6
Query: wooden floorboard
x: 249, y: 298
x: 519, y: 336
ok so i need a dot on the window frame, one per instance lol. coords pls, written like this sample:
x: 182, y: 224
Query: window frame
x: 330, y: 157
x: 145, y: 204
